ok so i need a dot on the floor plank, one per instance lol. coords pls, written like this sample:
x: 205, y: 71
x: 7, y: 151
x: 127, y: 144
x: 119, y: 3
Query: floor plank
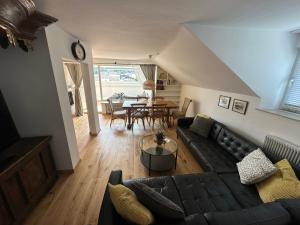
x: 76, y: 198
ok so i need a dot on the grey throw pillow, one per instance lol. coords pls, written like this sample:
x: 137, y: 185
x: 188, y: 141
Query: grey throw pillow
x: 255, y: 167
x: 202, y: 125
x: 156, y: 202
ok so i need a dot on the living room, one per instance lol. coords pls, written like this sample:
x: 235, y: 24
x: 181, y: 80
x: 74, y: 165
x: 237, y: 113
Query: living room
x: 179, y: 96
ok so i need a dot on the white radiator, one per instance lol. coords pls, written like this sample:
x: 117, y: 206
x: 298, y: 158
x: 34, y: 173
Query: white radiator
x: 279, y: 148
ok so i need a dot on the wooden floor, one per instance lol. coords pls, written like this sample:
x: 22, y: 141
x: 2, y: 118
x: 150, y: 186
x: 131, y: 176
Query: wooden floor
x: 76, y: 198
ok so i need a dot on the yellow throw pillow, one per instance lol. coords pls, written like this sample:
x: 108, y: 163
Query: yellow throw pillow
x: 283, y: 184
x: 127, y: 205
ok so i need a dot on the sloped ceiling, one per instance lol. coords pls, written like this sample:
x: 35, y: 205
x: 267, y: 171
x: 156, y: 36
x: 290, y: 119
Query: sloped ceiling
x: 191, y: 62
x: 262, y: 58
x: 134, y: 29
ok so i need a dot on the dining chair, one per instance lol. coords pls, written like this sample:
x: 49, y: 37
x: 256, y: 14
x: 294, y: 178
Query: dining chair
x: 158, y: 111
x: 138, y: 111
x: 116, y: 113
x: 181, y: 113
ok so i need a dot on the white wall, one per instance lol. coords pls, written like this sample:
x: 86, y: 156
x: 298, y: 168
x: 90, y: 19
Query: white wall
x: 191, y: 62
x: 28, y: 85
x: 255, y: 125
x: 59, y: 43
x: 263, y: 59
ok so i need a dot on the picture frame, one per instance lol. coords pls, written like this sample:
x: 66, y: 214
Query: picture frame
x: 224, y: 101
x: 240, y: 106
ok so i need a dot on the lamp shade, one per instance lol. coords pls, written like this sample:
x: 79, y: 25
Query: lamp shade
x: 149, y: 85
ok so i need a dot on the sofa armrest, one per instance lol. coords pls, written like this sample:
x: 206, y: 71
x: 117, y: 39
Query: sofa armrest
x: 185, y: 122
x: 108, y: 215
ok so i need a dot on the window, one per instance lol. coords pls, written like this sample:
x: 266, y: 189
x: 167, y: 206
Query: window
x: 120, y: 74
x: 291, y: 100
x: 114, y: 79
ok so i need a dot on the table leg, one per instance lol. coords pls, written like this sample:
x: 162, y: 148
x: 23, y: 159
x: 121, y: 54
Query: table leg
x: 168, y: 118
x: 149, y: 166
x: 176, y: 159
x: 129, y: 119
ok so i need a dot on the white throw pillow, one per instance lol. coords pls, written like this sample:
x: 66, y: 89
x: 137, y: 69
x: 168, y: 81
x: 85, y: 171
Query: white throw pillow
x: 255, y: 167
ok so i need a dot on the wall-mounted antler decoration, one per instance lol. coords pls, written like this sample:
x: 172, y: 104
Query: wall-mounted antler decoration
x: 19, y: 20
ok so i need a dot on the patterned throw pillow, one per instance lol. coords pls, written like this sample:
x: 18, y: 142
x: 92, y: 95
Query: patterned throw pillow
x: 127, y: 205
x: 255, y: 167
x: 282, y: 185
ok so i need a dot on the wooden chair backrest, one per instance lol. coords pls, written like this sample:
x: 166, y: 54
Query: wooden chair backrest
x: 110, y: 104
x: 138, y: 107
x: 186, y: 104
x: 159, y: 109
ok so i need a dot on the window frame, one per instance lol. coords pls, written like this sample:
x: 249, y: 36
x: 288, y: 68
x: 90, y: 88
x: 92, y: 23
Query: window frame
x: 284, y: 106
x: 139, y: 78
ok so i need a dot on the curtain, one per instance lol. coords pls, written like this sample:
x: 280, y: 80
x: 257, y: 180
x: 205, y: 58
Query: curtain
x: 149, y: 71
x: 76, y: 76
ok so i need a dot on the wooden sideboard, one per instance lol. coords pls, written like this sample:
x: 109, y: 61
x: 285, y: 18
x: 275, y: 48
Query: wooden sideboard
x: 26, y: 175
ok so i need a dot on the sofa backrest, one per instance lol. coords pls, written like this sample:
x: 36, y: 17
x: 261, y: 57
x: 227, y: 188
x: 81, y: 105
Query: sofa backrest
x: 234, y: 144
x: 215, y: 130
x: 277, y: 149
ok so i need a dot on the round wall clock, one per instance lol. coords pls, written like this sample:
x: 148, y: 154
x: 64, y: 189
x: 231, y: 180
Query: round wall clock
x: 78, y: 51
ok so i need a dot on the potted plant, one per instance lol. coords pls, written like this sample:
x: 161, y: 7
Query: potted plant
x: 160, y: 140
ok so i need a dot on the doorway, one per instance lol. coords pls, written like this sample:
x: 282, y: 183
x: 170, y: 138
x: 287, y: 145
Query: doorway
x: 78, y: 102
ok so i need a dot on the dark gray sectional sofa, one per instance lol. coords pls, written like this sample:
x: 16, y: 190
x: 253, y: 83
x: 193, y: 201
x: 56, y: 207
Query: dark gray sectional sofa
x: 216, y: 196
x: 220, y: 151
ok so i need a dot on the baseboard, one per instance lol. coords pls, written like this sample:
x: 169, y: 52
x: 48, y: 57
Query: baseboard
x: 70, y: 171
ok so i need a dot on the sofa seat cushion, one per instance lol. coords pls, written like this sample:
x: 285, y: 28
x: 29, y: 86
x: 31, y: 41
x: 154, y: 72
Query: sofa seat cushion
x: 293, y: 207
x: 212, y: 157
x: 246, y: 195
x: 163, y: 185
x: 265, y: 214
x: 187, y: 135
x: 205, y: 192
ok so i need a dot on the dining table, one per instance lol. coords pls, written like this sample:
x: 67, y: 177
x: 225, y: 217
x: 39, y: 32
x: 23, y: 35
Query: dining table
x: 127, y: 105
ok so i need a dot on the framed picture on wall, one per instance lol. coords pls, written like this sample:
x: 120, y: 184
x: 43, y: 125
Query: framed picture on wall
x: 240, y: 106
x: 224, y: 101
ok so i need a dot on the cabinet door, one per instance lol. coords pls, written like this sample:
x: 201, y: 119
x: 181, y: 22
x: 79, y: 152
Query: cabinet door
x: 33, y: 176
x: 48, y: 163
x: 15, y: 194
x: 6, y: 218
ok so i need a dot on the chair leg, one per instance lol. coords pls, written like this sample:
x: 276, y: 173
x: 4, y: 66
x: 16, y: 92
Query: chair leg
x: 132, y: 123
x: 111, y: 120
x: 143, y: 120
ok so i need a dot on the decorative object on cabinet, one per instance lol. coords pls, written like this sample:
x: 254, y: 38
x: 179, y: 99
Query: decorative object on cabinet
x: 224, y: 101
x: 239, y: 106
x: 19, y: 20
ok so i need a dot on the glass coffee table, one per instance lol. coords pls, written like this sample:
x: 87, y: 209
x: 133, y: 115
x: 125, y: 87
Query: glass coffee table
x: 158, y: 157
